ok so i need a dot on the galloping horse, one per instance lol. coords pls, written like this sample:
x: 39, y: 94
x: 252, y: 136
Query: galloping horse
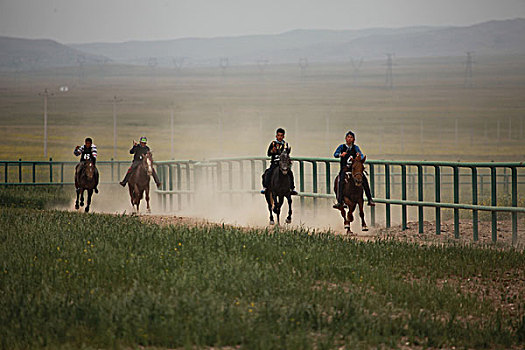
x: 280, y: 188
x: 85, y: 179
x: 139, y: 182
x: 353, y: 192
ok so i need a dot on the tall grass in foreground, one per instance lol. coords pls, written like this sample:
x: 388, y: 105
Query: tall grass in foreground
x: 99, y: 281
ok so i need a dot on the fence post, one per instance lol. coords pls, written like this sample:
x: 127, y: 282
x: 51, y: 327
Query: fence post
x: 170, y: 176
x: 437, y: 198
x: 328, y: 176
x: 420, y: 197
x: 50, y: 169
x: 387, y: 194
x: 373, y: 191
x: 514, y: 204
x: 20, y: 170
x: 34, y: 172
x: 456, y: 201
x: 475, y: 202
x: 179, y: 187
x: 252, y: 170
x: 188, y: 183
x: 314, y: 184
x: 403, y: 197
x: 301, y: 182
x: 493, y: 202
x: 112, y: 170
x: 5, y: 175
x: 62, y: 173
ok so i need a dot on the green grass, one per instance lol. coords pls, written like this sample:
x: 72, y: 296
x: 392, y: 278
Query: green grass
x: 37, y: 197
x: 98, y: 281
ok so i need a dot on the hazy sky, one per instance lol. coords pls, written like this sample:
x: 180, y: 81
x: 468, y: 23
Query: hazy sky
x: 75, y: 21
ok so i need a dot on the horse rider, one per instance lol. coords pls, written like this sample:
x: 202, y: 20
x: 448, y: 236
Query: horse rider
x: 87, y: 152
x: 346, y: 151
x: 274, y: 150
x: 139, y: 151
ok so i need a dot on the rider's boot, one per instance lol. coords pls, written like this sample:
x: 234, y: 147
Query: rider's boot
x: 125, y: 181
x: 293, y: 192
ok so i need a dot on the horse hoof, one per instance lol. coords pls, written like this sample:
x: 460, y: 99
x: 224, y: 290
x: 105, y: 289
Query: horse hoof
x: 288, y: 221
x: 87, y: 209
x: 77, y: 206
x: 81, y: 204
x: 148, y: 211
x: 272, y: 222
x: 364, y: 228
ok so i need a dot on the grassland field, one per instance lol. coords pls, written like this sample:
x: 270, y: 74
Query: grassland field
x: 236, y: 113
x: 71, y: 280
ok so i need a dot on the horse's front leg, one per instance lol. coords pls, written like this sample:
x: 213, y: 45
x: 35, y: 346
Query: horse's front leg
x: 362, y: 215
x: 351, y: 208
x: 81, y: 197
x: 90, y: 193
x: 76, y: 202
x: 289, y: 218
x: 268, y: 197
x: 148, y: 209
x: 277, y: 203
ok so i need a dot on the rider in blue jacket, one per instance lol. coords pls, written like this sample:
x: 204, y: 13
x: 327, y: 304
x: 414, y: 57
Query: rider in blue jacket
x: 344, y: 152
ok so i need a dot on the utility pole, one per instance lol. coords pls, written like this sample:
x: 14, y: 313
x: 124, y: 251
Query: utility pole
x: 356, y: 64
x: 224, y: 63
x: 262, y: 64
x: 115, y: 101
x: 81, y: 60
x: 303, y: 64
x: 468, y: 70
x: 171, y: 136
x: 45, y: 93
x: 389, y: 81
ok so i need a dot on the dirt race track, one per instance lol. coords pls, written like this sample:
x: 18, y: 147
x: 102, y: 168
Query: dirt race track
x: 411, y: 234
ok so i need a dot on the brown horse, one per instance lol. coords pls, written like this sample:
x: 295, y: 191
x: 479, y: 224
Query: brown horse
x: 139, y: 182
x: 353, y: 192
x: 86, y: 179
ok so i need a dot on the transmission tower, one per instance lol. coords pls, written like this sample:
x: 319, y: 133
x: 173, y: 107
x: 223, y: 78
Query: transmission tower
x: 81, y: 60
x: 356, y: 64
x: 389, y: 81
x: 224, y: 63
x: 152, y: 64
x: 262, y: 64
x: 303, y: 64
x: 468, y: 70
x: 178, y: 63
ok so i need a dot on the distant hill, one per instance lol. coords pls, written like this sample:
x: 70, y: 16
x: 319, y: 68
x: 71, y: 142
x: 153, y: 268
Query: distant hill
x: 494, y: 37
x: 25, y: 54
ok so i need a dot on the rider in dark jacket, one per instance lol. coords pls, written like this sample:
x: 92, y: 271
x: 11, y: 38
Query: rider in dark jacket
x: 274, y: 151
x: 138, y: 151
x: 87, y: 152
x: 345, y: 152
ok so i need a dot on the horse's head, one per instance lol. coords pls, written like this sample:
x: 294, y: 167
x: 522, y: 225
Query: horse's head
x: 358, y: 169
x: 89, y: 169
x: 147, y: 161
x: 285, y: 163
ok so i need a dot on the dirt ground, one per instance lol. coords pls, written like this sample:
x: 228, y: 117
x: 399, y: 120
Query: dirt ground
x: 411, y: 234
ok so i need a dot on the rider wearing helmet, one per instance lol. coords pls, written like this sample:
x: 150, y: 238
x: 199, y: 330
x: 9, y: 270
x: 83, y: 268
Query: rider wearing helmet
x: 87, y: 152
x: 139, y: 150
x: 346, y: 151
x: 274, y: 151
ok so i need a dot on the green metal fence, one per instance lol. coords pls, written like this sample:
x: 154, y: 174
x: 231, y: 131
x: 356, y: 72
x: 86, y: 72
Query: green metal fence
x: 420, y: 184
x: 432, y: 184
x: 20, y: 172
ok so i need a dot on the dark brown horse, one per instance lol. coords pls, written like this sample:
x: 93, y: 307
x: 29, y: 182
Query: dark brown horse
x: 280, y: 188
x: 86, y: 179
x: 353, y: 192
x: 139, y: 182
